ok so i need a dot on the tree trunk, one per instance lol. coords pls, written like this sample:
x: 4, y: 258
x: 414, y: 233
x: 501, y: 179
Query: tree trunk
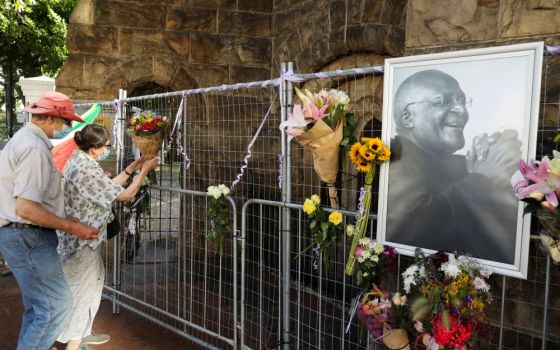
x: 9, y: 90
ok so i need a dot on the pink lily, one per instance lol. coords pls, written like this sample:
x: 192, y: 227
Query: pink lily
x: 310, y: 105
x: 296, y: 123
x: 542, y: 182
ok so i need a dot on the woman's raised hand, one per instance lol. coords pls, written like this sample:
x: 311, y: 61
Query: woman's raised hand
x: 150, y: 164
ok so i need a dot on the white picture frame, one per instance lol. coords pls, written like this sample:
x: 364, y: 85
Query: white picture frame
x: 434, y: 207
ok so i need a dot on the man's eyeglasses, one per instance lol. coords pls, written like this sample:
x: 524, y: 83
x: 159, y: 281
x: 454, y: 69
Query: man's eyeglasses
x: 445, y: 101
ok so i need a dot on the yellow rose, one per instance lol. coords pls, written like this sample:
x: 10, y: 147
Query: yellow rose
x: 335, y: 218
x: 316, y: 199
x: 309, y: 207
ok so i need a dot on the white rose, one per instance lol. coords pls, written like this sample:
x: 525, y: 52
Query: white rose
x: 216, y: 193
x: 339, y: 97
x: 224, y: 189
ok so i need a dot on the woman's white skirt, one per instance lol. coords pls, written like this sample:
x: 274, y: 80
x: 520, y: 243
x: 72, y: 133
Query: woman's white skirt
x: 85, y: 273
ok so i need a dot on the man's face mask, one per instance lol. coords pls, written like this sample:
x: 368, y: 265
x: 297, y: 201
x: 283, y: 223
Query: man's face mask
x: 62, y: 133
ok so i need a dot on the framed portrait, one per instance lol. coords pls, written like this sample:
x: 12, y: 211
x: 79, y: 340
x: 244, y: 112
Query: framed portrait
x: 458, y: 123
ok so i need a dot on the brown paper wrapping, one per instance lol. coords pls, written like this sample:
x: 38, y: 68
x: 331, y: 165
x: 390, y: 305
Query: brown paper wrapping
x: 148, y: 145
x: 323, y: 143
x: 395, y: 339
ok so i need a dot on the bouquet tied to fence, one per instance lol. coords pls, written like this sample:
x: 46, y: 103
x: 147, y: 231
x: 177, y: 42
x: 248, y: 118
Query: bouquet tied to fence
x: 366, y: 155
x: 218, y: 215
x: 146, y: 130
x: 537, y: 183
x: 385, y: 317
x: 449, y: 294
x: 318, y: 124
x: 324, y: 227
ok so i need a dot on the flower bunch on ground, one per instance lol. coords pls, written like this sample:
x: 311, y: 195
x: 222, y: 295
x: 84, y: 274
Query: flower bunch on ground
x: 366, y: 155
x: 146, y: 123
x: 324, y: 227
x: 218, y: 215
x: 450, y: 294
x: 385, y: 316
x: 373, y: 259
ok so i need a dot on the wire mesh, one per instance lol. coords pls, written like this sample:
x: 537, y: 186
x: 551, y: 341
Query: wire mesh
x: 168, y: 269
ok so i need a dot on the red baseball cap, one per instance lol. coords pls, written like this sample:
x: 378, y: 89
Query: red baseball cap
x: 54, y: 104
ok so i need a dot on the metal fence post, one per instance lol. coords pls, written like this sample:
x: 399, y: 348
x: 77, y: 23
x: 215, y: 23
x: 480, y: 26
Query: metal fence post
x: 121, y: 116
x: 286, y: 102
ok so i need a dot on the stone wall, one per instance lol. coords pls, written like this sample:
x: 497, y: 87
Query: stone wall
x: 176, y: 44
x: 180, y: 44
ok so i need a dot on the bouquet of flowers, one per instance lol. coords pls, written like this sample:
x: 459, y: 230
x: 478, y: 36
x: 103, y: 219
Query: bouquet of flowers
x: 218, y: 215
x: 385, y: 317
x: 366, y: 156
x: 373, y: 259
x: 451, y: 294
x: 146, y: 130
x: 324, y: 227
x: 321, y: 124
x: 538, y: 184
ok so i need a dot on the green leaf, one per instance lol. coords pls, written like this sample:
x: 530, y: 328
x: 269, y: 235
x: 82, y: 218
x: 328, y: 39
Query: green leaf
x: 324, y: 226
x: 312, y: 224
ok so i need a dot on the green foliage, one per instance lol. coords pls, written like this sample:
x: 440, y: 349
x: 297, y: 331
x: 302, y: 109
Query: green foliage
x: 218, y: 216
x: 33, y: 35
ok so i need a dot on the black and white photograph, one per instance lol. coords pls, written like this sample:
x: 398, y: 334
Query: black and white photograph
x: 458, y: 124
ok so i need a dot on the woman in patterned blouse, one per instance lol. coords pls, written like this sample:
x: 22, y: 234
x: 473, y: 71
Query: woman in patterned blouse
x: 88, y: 196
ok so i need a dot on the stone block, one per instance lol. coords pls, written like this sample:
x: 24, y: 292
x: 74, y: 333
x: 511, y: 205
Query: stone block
x: 225, y: 49
x: 191, y: 19
x: 367, y: 37
x: 71, y: 72
x: 208, y: 75
x: 529, y: 18
x: 453, y: 21
x: 357, y: 9
x: 291, y: 41
x: 393, y: 12
x: 137, y: 69
x: 239, y: 74
x: 182, y: 80
x: 337, y: 14
x: 135, y: 42
x: 245, y: 23
x: 165, y: 68
x: 83, y: 13
x: 91, y: 40
x: 99, y: 71
x: 131, y: 15
x: 256, y: 6
x: 297, y: 16
x: 214, y: 4
x: 179, y: 42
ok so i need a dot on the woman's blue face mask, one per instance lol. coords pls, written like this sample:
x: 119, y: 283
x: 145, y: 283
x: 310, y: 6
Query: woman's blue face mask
x: 105, y: 154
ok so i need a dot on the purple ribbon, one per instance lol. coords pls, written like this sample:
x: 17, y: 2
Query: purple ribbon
x: 249, y: 147
x: 177, y: 125
x: 554, y: 50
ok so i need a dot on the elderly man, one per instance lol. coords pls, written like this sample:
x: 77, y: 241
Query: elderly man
x: 31, y: 208
x: 440, y: 200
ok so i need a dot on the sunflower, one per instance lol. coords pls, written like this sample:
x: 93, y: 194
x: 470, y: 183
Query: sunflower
x: 375, y: 144
x: 363, y: 166
x: 384, y: 155
x: 354, y: 153
x: 366, y: 153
